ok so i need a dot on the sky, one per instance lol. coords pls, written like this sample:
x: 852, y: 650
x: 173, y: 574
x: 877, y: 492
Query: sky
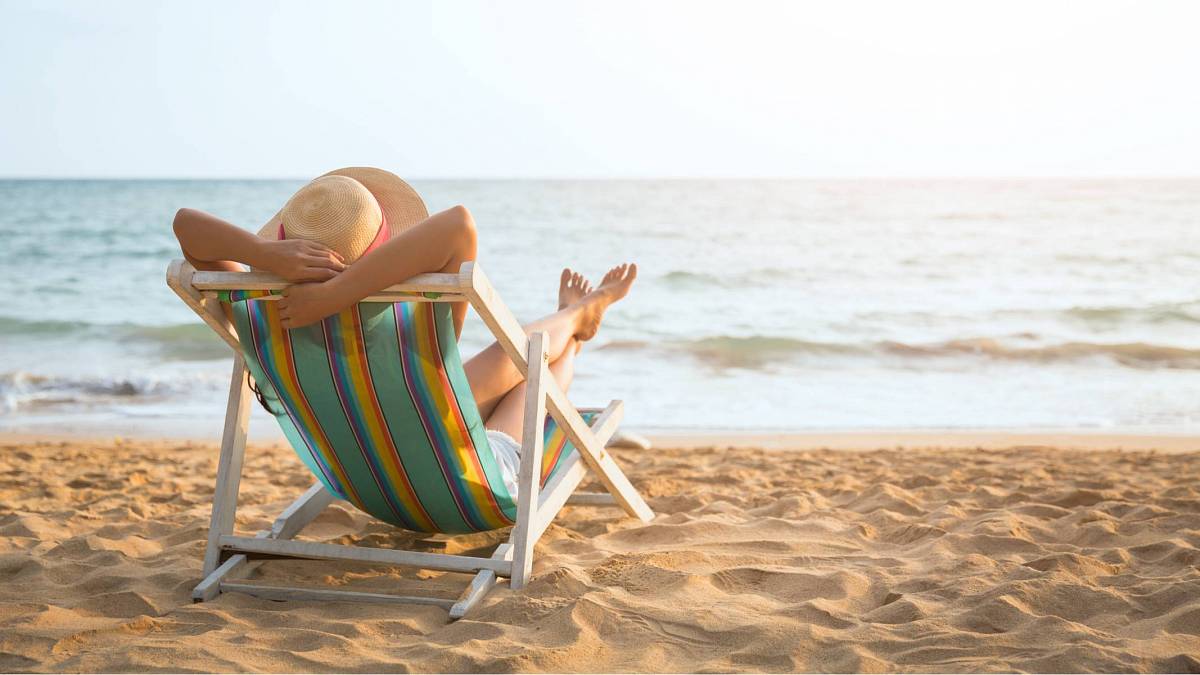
x: 614, y: 89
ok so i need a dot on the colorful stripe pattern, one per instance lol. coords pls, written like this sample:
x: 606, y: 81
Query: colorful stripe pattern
x: 376, y: 403
x: 270, y: 348
x: 556, y: 446
x: 346, y: 351
x: 441, y: 415
x: 238, y: 296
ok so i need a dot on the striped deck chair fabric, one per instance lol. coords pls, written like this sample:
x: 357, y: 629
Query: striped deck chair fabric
x: 375, y: 402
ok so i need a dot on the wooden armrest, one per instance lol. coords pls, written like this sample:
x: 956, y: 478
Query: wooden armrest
x: 263, y: 281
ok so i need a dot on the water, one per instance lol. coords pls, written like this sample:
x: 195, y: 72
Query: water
x: 761, y: 305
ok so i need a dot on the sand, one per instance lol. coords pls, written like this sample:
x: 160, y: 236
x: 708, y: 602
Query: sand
x: 970, y: 559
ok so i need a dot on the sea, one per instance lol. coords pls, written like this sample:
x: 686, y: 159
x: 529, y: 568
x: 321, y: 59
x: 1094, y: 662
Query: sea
x: 790, y: 305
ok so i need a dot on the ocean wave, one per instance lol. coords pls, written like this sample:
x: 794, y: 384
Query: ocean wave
x: 760, y: 278
x: 183, y: 341
x: 973, y: 216
x: 1130, y: 354
x: 766, y: 351
x: 1096, y: 318
x: 751, y: 351
x: 1158, y: 314
x: 685, y: 278
x: 757, y: 351
x: 22, y: 390
x: 33, y: 327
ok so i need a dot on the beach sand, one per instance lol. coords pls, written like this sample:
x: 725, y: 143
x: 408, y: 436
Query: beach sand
x: 988, y: 558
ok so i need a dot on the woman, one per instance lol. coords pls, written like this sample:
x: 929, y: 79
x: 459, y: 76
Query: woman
x: 354, y: 231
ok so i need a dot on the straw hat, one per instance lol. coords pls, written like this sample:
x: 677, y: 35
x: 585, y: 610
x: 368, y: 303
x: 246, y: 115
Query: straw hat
x: 350, y: 210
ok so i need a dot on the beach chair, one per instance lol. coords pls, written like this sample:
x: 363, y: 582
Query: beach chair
x: 375, y: 402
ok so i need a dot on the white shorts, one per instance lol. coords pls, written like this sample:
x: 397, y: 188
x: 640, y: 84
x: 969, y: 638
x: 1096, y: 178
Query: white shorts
x: 508, y: 456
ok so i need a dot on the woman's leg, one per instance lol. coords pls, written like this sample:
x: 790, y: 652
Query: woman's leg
x: 509, y: 414
x: 492, y: 374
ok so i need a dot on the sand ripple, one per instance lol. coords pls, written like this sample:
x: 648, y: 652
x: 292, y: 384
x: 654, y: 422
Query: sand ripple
x: 926, y: 560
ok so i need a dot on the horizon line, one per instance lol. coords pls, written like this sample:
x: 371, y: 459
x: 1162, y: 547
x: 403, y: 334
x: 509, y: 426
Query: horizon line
x: 997, y: 177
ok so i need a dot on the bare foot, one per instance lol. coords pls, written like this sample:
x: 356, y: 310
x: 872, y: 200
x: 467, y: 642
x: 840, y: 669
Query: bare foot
x: 613, y: 287
x: 572, y: 287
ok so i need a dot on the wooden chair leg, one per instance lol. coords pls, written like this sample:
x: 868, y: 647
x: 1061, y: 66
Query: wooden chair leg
x: 483, y: 582
x: 529, y: 475
x: 302, y: 511
x: 235, y: 566
x: 229, y: 466
x: 289, y: 523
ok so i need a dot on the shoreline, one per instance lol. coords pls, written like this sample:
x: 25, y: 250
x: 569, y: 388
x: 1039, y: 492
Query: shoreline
x: 848, y: 440
x: 984, y: 439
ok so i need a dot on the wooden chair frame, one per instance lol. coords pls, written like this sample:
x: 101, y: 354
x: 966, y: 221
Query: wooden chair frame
x: 229, y: 557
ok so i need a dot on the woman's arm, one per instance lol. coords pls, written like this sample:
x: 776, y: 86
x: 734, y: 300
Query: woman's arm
x: 210, y: 243
x: 440, y: 243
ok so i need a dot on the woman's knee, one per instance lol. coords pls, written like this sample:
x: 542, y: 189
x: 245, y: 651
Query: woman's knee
x: 464, y: 230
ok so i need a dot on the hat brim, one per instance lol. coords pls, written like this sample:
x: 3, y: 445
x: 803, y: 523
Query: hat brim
x: 401, y: 204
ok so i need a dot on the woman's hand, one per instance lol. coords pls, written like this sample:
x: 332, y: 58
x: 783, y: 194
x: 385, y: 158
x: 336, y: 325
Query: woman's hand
x: 303, y: 304
x: 300, y: 260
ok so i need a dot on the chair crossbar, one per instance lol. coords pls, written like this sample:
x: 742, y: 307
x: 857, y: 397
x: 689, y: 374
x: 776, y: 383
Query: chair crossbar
x: 275, y: 548
x: 591, y: 499
x: 299, y: 593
